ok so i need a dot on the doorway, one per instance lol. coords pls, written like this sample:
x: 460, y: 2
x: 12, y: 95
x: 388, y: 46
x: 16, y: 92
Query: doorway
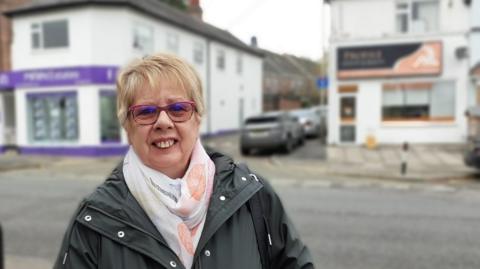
x: 348, y: 119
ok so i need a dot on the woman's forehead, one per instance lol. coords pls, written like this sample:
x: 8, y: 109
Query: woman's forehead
x: 164, y: 91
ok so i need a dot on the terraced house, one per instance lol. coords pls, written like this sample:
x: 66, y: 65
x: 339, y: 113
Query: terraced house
x: 60, y: 94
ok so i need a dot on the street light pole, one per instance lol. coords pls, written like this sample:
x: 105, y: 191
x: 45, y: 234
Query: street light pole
x: 323, y: 76
x: 1, y: 247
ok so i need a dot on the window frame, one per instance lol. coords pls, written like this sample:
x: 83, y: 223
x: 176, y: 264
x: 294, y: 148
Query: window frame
x: 198, y: 53
x: 173, y: 42
x: 102, y: 94
x: 137, y: 29
x: 37, y: 28
x: 403, y: 108
x: 31, y: 114
x: 409, y: 12
x: 221, y: 61
x: 239, y: 63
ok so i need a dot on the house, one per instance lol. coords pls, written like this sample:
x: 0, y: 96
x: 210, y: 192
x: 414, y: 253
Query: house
x: 60, y: 92
x: 475, y: 49
x: 288, y: 82
x: 399, y: 71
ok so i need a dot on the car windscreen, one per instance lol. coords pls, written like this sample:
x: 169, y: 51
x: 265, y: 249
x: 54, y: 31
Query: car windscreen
x: 262, y: 120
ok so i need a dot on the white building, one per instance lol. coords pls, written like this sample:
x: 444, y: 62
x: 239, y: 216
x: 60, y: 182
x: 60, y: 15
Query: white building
x: 399, y: 71
x: 475, y: 47
x: 65, y: 55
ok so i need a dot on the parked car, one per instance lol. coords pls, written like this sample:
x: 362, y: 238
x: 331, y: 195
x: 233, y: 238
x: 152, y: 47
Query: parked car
x: 313, y: 120
x: 472, y: 151
x: 271, y: 130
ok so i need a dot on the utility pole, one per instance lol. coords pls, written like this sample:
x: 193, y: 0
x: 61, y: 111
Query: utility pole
x: 323, y: 76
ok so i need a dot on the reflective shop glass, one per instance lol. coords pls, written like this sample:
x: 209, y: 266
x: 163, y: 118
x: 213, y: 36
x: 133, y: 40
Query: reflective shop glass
x: 436, y: 101
x: 52, y: 117
x: 109, y: 125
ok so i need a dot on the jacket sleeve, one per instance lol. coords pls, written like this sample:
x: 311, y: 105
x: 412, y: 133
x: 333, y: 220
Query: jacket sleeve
x: 288, y: 250
x: 79, y: 246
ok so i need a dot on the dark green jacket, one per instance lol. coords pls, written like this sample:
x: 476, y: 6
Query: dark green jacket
x: 111, y: 230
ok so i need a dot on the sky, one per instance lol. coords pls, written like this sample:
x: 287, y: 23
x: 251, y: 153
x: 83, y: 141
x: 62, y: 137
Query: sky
x: 281, y: 26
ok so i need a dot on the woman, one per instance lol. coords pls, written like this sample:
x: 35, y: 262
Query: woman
x: 170, y: 204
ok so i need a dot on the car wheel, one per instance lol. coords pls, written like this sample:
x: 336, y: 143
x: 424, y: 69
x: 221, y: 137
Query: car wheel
x: 302, y: 141
x: 288, y: 147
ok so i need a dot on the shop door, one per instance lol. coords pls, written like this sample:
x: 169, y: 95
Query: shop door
x: 347, y: 119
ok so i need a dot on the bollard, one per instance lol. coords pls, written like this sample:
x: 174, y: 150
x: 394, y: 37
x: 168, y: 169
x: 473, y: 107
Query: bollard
x: 403, y: 166
x: 1, y: 247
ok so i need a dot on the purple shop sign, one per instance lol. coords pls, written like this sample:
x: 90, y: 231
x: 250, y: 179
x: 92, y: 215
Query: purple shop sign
x: 58, y: 77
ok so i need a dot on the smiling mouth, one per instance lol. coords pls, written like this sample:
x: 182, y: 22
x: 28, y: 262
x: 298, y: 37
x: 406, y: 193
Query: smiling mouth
x: 165, y: 144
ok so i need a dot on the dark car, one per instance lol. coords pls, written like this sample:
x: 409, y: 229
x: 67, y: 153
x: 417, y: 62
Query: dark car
x: 472, y: 151
x: 271, y: 130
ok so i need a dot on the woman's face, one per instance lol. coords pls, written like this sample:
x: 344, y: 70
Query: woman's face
x: 165, y: 146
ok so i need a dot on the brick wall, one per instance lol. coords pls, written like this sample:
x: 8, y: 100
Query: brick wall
x: 6, y: 32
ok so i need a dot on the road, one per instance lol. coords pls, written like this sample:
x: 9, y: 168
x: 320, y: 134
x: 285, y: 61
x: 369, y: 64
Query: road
x: 346, y: 222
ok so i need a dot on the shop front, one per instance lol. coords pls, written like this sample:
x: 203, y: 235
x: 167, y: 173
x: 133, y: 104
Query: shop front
x: 395, y: 93
x: 66, y: 111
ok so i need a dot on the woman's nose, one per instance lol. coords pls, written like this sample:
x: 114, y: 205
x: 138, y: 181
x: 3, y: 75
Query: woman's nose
x: 163, y: 121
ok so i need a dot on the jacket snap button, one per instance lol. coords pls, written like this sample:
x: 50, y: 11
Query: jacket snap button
x: 244, y: 178
x: 222, y: 198
x: 173, y: 264
x: 207, y: 253
x: 88, y: 218
x: 121, y: 234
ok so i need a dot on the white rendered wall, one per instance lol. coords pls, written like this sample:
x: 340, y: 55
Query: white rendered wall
x: 367, y: 18
x: 225, y: 90
x: 475, y: 35
x: 88, y: 115
x: 364, y: 19
x: 79, y: 51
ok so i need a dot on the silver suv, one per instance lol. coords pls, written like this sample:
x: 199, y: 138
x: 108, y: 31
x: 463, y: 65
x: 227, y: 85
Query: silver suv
x: 271, y: 130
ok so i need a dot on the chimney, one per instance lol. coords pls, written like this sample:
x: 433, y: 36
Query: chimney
x: 253, y: 42
x: 195, y: 10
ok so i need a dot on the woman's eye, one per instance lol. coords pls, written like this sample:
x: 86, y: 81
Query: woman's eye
x: 146, y: 111
x: 177, y: 107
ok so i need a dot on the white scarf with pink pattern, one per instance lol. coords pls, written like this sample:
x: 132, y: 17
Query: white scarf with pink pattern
x: 177, y: 207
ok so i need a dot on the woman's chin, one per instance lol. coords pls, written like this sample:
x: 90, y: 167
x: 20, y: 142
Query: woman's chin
x: 165, y: 160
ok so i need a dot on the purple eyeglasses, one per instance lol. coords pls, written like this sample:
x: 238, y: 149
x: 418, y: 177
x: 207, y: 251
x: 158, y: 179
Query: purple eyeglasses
x: 148, y: 114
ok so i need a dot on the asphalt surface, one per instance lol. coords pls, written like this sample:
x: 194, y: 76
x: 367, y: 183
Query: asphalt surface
x: 360, y: 226
x: 346, y: 221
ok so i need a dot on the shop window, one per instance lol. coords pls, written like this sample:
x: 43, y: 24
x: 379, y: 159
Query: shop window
x: 418, y: 101
x: 221, y: 59
x: 49, y: 35
x: 143, y: 39
x: 53, y: 117
x: 109, y: 125
x: 417, y: 16
x: 198, y: 52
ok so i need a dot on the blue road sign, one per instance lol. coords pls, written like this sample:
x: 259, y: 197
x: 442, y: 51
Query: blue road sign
x: 322, y: 83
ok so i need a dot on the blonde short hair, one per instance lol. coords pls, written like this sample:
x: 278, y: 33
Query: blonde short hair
x: 150, y: 71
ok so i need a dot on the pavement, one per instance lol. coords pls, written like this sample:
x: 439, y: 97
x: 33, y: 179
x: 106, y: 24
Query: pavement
x: 427, y: 163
